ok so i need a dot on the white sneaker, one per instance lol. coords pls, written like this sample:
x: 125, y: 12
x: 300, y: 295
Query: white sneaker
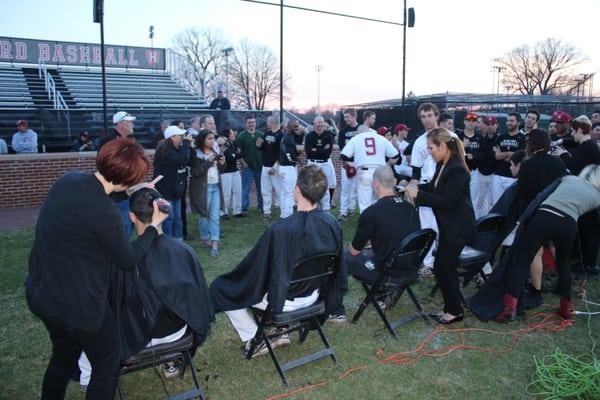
x: 283, y: 340
x: 337, y: 319
x: 260, y: 349
x: 170, y: 369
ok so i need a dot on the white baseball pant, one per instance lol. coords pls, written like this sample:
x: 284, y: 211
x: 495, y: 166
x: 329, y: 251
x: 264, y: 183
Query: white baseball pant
x: 287, y: 180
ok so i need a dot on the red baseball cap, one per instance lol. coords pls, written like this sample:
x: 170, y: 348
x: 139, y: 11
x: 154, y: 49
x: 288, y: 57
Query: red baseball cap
x: 382, y: 130
x: 490, y: 120
x: 471, y: 116
x: 401, y: 127
x: 561, y: 116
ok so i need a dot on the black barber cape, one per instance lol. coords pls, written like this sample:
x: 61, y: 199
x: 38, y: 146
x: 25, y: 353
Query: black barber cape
x: 487, y: 303
x: 169, y: 277
x: 268, y: 266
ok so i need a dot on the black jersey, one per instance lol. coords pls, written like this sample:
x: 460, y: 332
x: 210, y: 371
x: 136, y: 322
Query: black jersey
x: 270, y: 148
x: 347, y: 133
x: 232, y: 154
x: 505, y: 143
x: 474, y: 147
x: 318, y: 147
x: 487, y: 164
x: 288, y: 155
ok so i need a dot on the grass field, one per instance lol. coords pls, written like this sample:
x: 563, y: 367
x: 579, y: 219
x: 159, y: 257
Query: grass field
x: 461, y: 374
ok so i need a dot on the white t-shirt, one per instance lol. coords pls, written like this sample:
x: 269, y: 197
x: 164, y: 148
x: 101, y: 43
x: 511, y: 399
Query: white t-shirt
x: 212, y: 175
x: 421, y: 158
x: 404, y: 167
x: 369, y: 149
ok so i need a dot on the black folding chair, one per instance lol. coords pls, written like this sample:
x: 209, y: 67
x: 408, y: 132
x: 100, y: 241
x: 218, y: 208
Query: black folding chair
x: 473, y: 258
x: 152, y: 357
x: 309, y: 274
x: 396, y: 276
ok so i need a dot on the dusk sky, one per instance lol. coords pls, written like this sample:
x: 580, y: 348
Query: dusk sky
x: 450, y: 49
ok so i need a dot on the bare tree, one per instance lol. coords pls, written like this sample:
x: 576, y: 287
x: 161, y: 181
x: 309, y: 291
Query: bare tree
x: 202, y: 48
x: 547, y: 67
x: 255, y: 74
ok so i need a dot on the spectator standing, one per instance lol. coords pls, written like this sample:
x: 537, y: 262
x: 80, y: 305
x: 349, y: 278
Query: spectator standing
x: 220, y: 102
x: 231, y: 178
x: 171, y: 160
x: 251, y: 162
x: 25, y: 139
x: 205, y: 189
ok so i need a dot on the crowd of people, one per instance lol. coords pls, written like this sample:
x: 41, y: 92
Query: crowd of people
x: 81, y: 264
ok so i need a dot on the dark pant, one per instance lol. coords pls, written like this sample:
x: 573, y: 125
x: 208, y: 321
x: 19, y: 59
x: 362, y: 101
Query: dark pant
x: 544, y: 227
x: 102, y: 349
x: 589, y: 238
x: 446, y: 274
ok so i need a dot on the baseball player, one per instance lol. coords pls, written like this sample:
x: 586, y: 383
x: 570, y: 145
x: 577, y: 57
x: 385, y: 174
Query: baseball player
x: 318, y: 145
x: 369, y: 151
x: 348, y: 175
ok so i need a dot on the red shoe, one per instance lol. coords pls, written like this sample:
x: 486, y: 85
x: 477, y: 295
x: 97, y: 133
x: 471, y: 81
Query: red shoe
x: 510, y: 309
x: 565, y: 311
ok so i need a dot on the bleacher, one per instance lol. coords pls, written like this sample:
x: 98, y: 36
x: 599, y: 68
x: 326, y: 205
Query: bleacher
x: 14, y: 93
x: 128, y: 91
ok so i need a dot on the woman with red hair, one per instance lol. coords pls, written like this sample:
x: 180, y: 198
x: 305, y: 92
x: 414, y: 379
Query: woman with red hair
x: 79, y: 237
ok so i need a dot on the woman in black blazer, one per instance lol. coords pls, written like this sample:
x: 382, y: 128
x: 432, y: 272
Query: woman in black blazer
x: 449, y: 196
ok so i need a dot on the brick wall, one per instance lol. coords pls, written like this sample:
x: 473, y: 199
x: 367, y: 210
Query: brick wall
x: 26, y: 178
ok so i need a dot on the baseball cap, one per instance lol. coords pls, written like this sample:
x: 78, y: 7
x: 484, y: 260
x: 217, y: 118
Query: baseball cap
x: 471, y: 116
x: 173, y: 130
x: 122, y: 116
x: 561, y: 116
x: 382, y: 130
x: 490, y: 120
x: 401, y: 127
x: 22, y: 122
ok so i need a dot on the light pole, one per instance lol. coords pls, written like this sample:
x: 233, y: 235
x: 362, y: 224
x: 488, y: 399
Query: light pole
x: 151, y: 37
x: 319, y: 68
x: 226, y: 53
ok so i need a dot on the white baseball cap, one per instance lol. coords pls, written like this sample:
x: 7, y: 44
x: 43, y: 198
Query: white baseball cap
x: 122, y: 116
x: 173, y: 130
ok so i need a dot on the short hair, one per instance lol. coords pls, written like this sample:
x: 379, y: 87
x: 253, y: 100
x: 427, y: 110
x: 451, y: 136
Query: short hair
x: 591, y: 174
x: 537, y: 139
x: 595, y: 125
x: 312, y: 183
x: 201, y: 138
x: 595, y: 112
x: 177, y: 122
x: 445, y: 117
x: 122, y: 161
x: 141, y: 203
x: 428, y: 107
x: 534, y: 112
x: 194, y: 120
x: 514, y: 114
x: 319, y: 117
x: 367, y: 114
x: 272, y: 119
x: 582, y: 122
x: 518, y: 156
x: 293, y: 122
x: 350, y: 111
x: 204, y: 117
x: 250, y: 116
x: 384, y: 175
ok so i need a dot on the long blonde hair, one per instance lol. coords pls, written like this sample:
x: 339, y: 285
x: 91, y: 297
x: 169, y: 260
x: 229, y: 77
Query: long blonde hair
x: 439, y: 135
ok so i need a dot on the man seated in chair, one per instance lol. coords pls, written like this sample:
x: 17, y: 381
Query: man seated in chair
x: 165, y: 296
x: 263, y: 276
x: 384, y: 224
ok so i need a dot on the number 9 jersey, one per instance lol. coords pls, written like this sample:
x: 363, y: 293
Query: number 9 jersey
x: 369, y: 149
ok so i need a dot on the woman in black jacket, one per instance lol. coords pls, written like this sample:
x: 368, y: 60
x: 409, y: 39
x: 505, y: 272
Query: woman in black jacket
x: 79, y: 237
x: 171, y: 160
x: 449, y: 196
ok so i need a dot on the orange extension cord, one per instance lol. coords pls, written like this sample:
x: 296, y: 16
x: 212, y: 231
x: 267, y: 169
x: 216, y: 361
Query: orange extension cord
x: 540, y: 322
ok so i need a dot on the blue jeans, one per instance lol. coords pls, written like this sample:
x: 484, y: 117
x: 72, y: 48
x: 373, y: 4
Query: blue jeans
x: 248, y: 175
x: 209, y: 227
x: 127, y: 224
x: 173, y: 225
